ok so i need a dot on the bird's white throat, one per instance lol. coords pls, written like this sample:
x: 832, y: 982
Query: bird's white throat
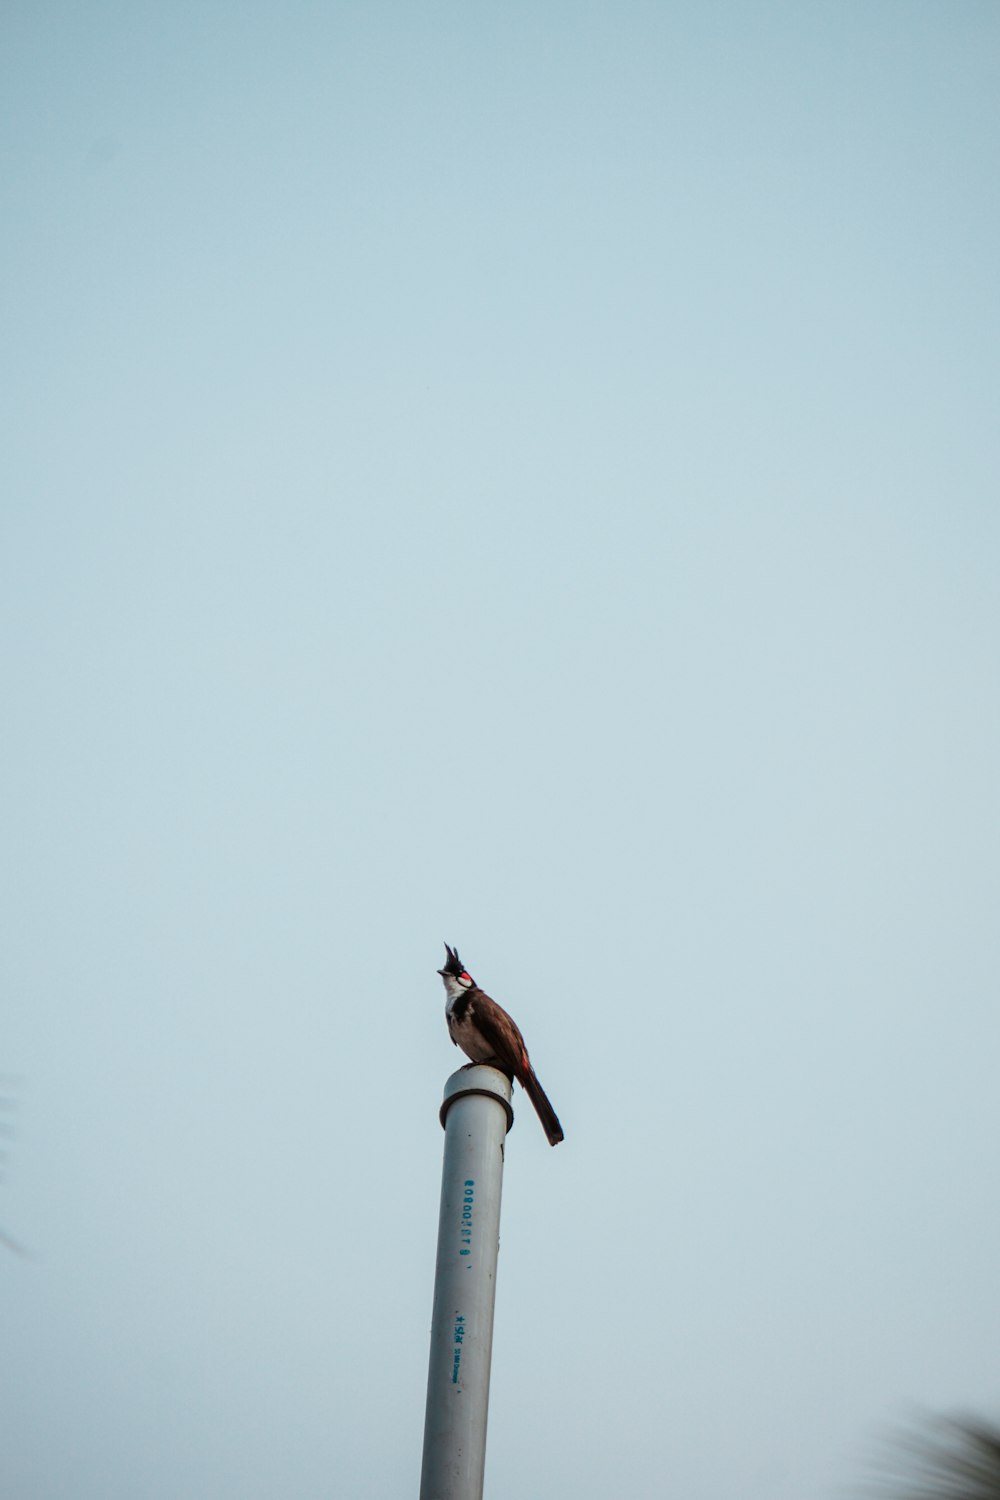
x: 453, y: 988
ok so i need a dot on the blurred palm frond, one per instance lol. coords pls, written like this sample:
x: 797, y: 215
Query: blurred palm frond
x: 945, y: 1458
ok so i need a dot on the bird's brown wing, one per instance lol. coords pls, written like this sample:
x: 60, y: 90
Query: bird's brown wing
x: 501, y: 1035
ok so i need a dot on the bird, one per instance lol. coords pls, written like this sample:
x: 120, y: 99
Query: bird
x: 486, y: 1034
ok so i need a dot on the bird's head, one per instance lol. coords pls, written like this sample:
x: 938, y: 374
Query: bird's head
x: 456, y: 977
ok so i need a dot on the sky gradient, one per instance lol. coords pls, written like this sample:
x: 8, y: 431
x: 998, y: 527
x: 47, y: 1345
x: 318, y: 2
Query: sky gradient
x: 526, y: 478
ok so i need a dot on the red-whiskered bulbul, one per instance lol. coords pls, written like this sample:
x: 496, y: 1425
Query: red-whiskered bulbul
x: 486, y: 1033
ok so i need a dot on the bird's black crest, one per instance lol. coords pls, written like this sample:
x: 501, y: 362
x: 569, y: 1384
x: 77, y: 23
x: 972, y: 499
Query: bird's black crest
x: 453, y: 964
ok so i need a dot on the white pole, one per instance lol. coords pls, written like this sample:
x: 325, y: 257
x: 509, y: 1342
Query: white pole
x: 476, y: 1115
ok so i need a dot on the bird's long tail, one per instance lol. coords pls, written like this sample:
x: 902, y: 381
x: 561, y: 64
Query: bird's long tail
x: 544, y: 1110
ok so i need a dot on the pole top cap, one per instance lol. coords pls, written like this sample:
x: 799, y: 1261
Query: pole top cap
x: 478, y: 1078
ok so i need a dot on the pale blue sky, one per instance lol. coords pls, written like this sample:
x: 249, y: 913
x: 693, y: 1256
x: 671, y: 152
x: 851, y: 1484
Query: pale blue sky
x: 526, y: 477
